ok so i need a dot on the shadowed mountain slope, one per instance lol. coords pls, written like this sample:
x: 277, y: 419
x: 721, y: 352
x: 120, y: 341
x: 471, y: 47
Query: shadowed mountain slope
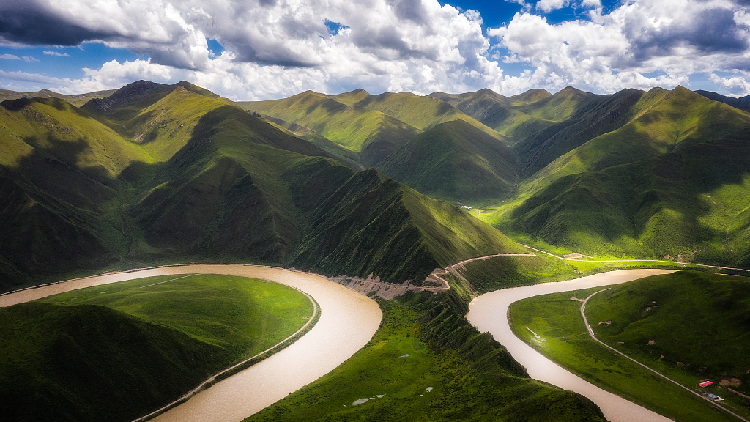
x: 85, y: 363
x: 663, y: 121
x: 743, y: 103
x: 374, y: 225
x: 456, y: 161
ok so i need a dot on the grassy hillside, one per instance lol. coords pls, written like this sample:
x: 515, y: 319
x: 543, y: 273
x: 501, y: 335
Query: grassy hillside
x: 663, y: 120
x: 596, y: 115
x: 120, y: 351
x: 371, y: 134
x: 743, y: 103
x: 456, y: 161
x: 92, y: 363
x: 690, y: 202
x: 422, y: 112
x: 155, y: 173
x: 714, y: 346
x: 494, y: 110
x: 372, y: 224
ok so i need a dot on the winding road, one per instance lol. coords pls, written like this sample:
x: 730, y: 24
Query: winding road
x: 348, y: 321
x: 489, y: 313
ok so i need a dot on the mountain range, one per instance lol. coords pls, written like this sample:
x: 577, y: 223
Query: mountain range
x: 636, y: 173
x: 153, y: 173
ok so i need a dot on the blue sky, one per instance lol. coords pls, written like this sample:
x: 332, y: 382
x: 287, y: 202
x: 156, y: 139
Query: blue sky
x: 265, y: 49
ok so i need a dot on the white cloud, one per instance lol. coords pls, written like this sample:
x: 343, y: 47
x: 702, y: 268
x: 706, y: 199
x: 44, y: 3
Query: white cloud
x: 29, y: 59
x: 275, y: 48
x: 550, y: 5
x: 591, y: 3
x: 736, y: 85
x: 7, y: 56
x: 56, y: 54
x: 19, y: 76
x: 671, y: 40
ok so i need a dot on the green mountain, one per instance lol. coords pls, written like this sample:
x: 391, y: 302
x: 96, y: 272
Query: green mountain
x: 455, y: 160
x: 383, y: 131
x: 374, y: 225
x: 494, y: 110
x: 594, y: 116
x: 157, y: 173
x: 76, y: 100
x: 743, y: 103
x: 422, y: 112
x: 370, y: 134
x: 691, y: 200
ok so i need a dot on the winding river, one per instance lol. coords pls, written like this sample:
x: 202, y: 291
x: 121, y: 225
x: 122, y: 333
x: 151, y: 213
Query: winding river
x: 347, y: 322
x: 489, y: 313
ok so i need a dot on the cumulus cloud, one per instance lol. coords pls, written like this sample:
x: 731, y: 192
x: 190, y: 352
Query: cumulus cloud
x: 7, y: 56
x: 56, y: 54
x: 416, y: 45
x: 735, y: 85
x: 274, y: 48
x: 671, y: 40
x: 550, y: 5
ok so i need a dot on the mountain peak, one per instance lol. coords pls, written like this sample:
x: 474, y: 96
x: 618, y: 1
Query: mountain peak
x: 129, y: 93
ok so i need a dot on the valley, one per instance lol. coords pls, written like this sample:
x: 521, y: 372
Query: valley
x: 365, y: 188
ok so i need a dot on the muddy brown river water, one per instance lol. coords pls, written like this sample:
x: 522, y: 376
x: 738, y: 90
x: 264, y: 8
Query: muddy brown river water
x: 489, y: 313
x: 347, y: 322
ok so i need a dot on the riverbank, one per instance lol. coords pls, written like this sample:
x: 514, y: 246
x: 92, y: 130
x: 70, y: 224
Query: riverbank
x: 489, y: 313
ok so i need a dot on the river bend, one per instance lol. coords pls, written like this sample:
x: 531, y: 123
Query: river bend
x: 489, y: 313
x: 347, y: 322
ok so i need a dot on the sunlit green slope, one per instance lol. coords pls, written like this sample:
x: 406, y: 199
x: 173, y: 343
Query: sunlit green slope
x: 371, y: 134
x: 494, y: 110
x: 663, y: 120
x: 158, y: 173
x: 422, y: 112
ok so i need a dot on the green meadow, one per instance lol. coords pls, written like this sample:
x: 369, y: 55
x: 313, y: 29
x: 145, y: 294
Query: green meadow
x: 117, y: 352
x: 690, y: 326
x: 243, y: 315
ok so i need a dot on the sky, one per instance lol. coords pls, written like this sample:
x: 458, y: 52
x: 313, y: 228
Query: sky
x: 270, y: 49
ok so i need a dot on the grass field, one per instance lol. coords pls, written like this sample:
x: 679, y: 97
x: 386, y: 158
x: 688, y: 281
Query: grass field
x: 702, y: 347
x: 117, y: 352
x: 236, y: 313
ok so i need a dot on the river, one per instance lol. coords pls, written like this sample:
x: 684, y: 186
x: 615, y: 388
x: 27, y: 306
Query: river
x: 489, y: 313
x: 347, y: 322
